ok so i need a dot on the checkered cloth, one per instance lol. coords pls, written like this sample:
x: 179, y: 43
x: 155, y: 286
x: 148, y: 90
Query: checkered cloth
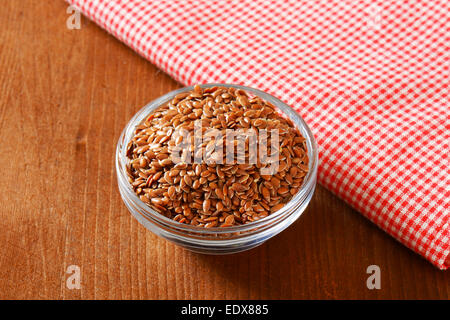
x: 371, y: 78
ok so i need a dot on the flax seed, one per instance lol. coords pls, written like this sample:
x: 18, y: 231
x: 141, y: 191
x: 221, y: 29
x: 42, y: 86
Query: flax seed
x: 206, y: 205
x: 214, y: 194
x: 171, y: 191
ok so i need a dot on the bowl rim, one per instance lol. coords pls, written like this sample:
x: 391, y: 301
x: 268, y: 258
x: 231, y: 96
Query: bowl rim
x: 308, y: 184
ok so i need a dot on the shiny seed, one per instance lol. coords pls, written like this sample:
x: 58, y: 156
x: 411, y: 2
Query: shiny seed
x: 277, y: 207
x: 283, y: 190
x: 229, y: 220
x: 196, y: 184
x: 265, y: 193
x: 211, y: 224
x: 171, y: 191
x: 206, y: 205
x: 211, y: 194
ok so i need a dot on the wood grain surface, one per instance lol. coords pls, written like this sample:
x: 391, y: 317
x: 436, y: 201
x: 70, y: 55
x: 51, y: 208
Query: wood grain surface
x: 65, y: 96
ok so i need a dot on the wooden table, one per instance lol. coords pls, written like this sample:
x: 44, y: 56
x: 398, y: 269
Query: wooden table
x: 65, y: 96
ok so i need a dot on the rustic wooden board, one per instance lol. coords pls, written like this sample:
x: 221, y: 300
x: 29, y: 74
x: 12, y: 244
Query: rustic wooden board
x: 65, y: 96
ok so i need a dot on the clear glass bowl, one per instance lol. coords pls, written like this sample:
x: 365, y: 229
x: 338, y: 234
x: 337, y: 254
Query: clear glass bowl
x: 217, y: 240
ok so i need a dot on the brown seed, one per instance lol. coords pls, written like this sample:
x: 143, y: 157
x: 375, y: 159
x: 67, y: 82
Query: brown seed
x: 219, y: 193
x: 143, y: 162
x: 157, y: 175
x: 303, y: 167
x: 283, y: 190
x: 211, y: 224
x: 259, y: 123
x: 187, y: 211
x: 196, y: 184
x: 243, y: 101
x: 219, y: 206
x: 275, y: 182
x: 293, y: 171
x: 258, y: 208
x: 157, y: 201
x: 181, y: 165
x: 238, y: 187
x: 174, y: 172
x: 226, y: 225
x: 277, y: 207
x: 206, y: 205
x: 171, y: 191
x: 229, y: 220
x: 188, y: 180
x: 288, y: 179
x: 205, y: 174
x: 198, y: 89
x: 178, y: 217
x: 213, y: 193
x: 220, y: 173
x: 165, y: 162
x: 265, y: 193
x: 283, y: 166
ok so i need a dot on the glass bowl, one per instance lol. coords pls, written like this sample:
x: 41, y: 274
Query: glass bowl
x: 217, y: 240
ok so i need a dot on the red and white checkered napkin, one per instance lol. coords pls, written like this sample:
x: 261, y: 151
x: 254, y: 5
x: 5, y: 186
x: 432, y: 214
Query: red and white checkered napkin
x: 371, y: 78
